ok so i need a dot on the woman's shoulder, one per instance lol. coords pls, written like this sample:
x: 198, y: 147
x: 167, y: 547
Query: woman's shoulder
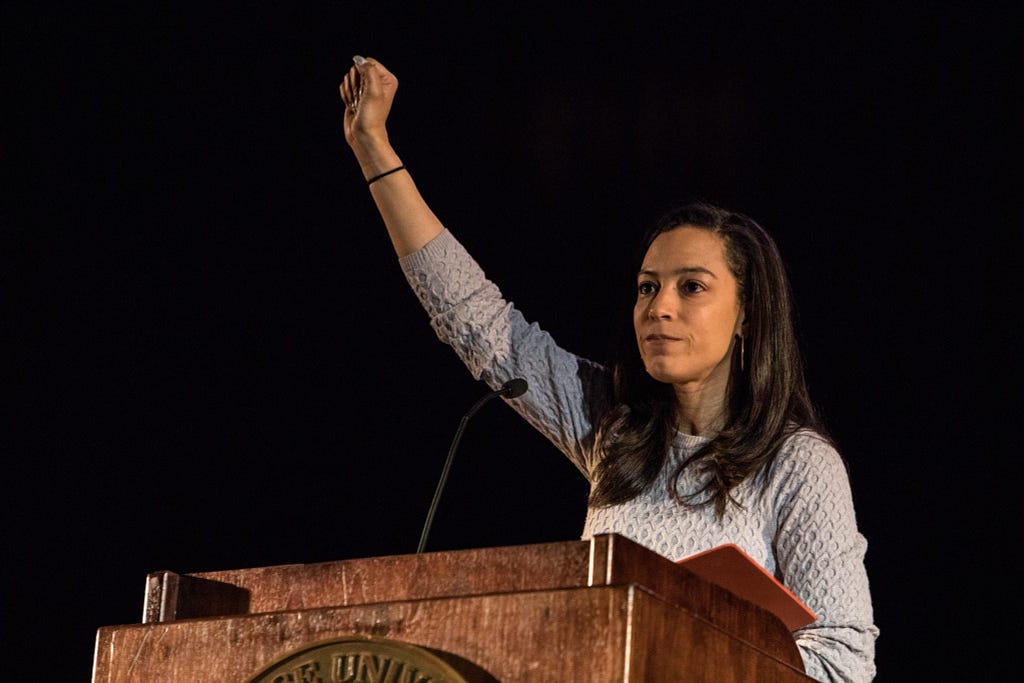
x: 808, y: 453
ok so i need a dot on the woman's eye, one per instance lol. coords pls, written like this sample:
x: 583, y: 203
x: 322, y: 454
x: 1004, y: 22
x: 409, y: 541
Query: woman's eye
x: 645, y: 288
x: 692, y: 287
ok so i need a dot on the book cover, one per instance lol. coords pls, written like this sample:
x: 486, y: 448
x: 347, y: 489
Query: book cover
x: 731, y: 568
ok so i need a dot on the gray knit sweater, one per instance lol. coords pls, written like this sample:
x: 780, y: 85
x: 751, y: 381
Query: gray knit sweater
x: 796, y: 518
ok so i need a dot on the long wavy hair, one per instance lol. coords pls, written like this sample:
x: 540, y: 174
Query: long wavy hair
x: 767, y: 399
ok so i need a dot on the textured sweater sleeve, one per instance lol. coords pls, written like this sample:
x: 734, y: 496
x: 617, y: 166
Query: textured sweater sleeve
x: 496, y: 343
x: 820, y: 556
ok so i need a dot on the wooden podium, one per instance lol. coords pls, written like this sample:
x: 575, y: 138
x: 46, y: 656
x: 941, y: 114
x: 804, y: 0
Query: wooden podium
x: 592, y: 611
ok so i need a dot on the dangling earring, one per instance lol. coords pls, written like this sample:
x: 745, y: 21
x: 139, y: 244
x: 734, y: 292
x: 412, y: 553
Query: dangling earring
x: 743, y: 353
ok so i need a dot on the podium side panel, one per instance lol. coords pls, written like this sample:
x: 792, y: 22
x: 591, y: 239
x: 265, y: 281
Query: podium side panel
x: 706, y: 653
x: 681, y: 587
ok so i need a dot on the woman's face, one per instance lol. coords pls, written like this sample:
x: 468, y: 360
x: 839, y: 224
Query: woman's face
x: 687, y: 309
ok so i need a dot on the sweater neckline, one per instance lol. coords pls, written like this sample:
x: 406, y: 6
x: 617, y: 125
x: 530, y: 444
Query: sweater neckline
x: 688, y: 442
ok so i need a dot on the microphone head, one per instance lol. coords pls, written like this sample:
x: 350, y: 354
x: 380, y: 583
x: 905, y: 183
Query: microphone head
x: 514, y: 388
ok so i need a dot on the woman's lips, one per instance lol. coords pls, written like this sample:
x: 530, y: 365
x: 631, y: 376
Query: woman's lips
x: 659, y: 343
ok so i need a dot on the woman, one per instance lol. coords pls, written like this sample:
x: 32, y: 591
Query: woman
x: 700, y: 433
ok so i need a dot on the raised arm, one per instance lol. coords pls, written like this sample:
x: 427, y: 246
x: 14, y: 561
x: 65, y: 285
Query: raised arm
x: 368, y: 91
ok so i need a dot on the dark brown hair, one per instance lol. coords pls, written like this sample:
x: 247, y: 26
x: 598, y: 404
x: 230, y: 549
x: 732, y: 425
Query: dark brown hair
x: 766, y: 401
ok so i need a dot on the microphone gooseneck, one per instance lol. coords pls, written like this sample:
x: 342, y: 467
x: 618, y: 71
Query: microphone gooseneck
x: 510, y: 389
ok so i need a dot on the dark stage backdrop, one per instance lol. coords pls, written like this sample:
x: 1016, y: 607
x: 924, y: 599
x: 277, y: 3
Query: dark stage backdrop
x: 215, y: 362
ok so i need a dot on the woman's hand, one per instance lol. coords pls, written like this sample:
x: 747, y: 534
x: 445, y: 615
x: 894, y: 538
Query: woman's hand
x: 367, y: 90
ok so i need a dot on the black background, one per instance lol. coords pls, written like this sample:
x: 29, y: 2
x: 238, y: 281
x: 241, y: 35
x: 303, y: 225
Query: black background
x: 215, y: 362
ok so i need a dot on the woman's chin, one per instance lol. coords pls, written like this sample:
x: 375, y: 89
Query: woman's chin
x: 661, y: 373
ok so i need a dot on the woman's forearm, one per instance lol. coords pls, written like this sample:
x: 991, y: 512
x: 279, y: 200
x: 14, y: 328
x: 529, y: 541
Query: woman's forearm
x: 368, y: 90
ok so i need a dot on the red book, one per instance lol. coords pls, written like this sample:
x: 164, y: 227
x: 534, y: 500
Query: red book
x: 731, y: 568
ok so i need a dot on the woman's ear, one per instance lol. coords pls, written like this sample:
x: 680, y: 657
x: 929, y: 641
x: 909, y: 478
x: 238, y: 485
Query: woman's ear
x: 741, y: 324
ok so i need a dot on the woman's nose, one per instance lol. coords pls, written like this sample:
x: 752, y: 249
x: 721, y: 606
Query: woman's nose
x: 660, y: 307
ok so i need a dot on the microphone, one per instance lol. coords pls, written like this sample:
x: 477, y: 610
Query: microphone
x: 513, y: 388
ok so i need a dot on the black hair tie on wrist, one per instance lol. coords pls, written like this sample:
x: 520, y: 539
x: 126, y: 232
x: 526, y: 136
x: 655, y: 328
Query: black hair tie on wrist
x: 375, y: 178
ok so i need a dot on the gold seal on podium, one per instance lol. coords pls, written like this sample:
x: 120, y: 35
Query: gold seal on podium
x: 359, y: 660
